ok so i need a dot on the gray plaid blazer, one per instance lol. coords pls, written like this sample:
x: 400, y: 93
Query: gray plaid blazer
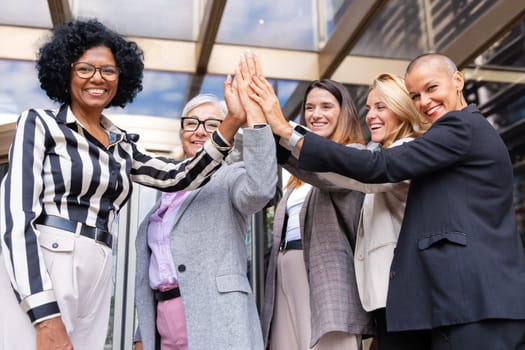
x: 329, y: 220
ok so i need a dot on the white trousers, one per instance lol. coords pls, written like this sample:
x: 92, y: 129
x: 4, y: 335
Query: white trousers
x: 80, y: 270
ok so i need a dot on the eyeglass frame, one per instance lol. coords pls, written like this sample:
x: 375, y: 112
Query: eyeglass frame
x: 203, y: 122
x: 117, y: 69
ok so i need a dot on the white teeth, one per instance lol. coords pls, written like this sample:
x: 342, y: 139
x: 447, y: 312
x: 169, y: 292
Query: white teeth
x: 96, y: 91
x: 432, y: 110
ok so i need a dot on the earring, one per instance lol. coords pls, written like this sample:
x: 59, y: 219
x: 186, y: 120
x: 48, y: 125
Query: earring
x: 462, y: 100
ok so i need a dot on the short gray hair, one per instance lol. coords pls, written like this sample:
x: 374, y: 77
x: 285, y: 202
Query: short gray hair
x: 203, y: 99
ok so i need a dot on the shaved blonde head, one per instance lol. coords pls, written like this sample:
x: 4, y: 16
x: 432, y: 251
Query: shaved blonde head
x: 435, y: 60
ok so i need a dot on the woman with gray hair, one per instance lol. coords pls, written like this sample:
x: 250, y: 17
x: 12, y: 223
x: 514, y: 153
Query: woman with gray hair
x: 191, y: 282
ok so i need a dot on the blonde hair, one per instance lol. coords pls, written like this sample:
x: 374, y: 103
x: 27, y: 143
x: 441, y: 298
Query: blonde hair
x: 393, y: 93
x: 439, y: 61
x: 348, y: 127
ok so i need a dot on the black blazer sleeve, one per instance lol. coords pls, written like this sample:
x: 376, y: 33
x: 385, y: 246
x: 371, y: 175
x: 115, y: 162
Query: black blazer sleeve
x: 447, y: 141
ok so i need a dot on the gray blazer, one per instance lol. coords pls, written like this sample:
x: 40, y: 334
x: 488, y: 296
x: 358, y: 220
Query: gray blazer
x: 208, y: 246
x: 329, y: 219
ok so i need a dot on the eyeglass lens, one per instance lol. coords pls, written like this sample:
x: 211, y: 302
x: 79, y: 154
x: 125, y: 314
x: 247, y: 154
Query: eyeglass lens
x: 86, y: 70
x: 193, y: 123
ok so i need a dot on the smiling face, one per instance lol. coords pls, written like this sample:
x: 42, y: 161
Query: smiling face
x: 435, y: 89
x: 321, y: 112
x: 93, y: 94
x: 193, y: 141
x: 381, y: 121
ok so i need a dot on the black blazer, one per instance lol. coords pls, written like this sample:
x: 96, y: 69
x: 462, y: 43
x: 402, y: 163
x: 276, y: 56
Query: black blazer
x: 459, y: 258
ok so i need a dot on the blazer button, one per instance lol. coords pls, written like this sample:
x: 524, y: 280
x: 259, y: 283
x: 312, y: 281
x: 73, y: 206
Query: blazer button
x: 392, y: 274
x: 55, y: 245
x: 181, y: 268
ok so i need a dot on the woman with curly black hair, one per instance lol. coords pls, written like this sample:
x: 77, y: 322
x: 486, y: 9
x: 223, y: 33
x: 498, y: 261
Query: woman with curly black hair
x: 70, y: 171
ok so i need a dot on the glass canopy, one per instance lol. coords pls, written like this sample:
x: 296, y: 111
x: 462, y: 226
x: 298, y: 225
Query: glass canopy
x: 190, y: 46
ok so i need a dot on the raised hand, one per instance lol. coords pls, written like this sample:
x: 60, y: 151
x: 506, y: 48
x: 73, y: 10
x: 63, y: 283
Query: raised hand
x: 261, y: 92
x: 233, y: 101
x: 266, y: 98
x: 236, y: 116
x: 243, y: 73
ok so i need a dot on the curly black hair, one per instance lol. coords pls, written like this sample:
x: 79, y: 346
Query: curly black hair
x: 69, y: 41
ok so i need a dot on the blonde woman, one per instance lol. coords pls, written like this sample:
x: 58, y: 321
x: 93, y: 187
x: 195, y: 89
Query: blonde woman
x: 392, y: 120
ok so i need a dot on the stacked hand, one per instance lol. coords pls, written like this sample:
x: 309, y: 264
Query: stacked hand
x: 243, y: 72
x: 254, y: 87
x: 251, y: 98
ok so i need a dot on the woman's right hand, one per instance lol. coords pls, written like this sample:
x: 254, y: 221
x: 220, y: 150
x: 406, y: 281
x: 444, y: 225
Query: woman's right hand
x: 260, y: 91
x: 138, y: 346
x: 52, y: 335
x: 243, y: 73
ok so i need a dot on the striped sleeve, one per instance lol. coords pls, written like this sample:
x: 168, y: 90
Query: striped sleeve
x: 170, y: 176
x: 21, y: 192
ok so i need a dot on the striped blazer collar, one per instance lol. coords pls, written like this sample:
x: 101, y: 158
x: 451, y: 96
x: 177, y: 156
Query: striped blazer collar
x: 65, y: 116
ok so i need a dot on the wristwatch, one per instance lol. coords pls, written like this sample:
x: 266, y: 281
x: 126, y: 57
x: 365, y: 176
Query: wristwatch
x: 298, y: 133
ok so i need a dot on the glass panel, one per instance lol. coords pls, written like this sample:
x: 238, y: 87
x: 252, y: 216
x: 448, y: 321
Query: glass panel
x: 159, y: 18
x: 509, y: 51
x: 397, y: 32
x: 502, y: 103
x: 333, y: 11
x: 162, y: 95
x: 213, y: 84
x: 289, y: 24
x: 450, y: 17
x: 31, y: 13
x: 20, y: 89
x: 284, y: 89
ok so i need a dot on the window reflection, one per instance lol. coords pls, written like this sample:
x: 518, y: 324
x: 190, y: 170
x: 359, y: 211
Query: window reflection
x: 162, y: 95
x: 452, y: 17
x: 263, y: 23
x: 19, y: 88
x: 173, y: 19
x: 397, y: 32
x: 31, y: 13
x: 333, y: 10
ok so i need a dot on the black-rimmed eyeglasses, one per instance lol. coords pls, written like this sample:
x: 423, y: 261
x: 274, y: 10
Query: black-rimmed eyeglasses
x: 193, y: 123
x: 86, y: 70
